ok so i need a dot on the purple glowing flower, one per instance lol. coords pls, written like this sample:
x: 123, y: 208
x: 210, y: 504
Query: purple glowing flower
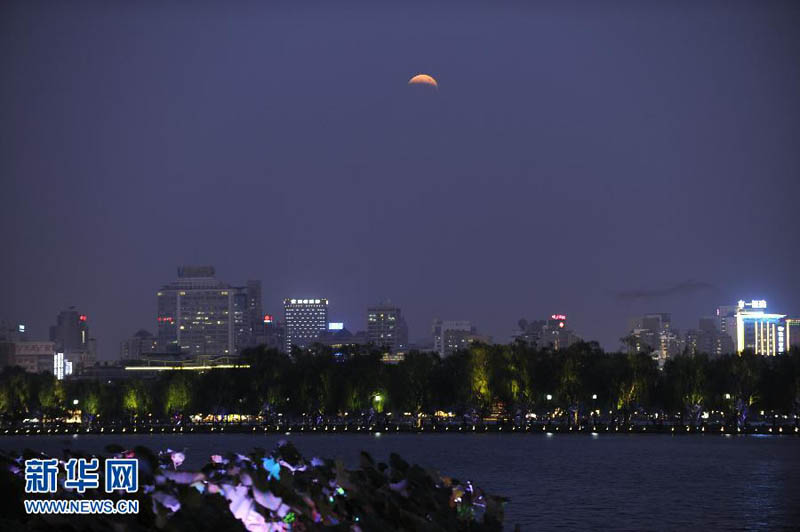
x: 177, y: 459
x: 167, y: 501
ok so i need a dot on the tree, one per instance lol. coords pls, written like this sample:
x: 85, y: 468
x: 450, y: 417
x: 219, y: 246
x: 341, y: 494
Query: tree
x: 178, y: 394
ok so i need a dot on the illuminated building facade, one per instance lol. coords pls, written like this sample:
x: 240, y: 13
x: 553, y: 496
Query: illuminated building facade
x: 201, y: 315
x: 760, y: 331
x: 386, y: 327
x: 792, y: 333
x: 304, y: 321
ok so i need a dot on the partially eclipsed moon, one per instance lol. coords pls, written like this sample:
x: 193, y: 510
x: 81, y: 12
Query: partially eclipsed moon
x: 423, y: 79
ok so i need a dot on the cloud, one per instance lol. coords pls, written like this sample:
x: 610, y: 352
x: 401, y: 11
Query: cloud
x: 685, y: 288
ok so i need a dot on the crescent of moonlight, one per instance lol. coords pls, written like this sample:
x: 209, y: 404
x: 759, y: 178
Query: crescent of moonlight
x: 423, y: 79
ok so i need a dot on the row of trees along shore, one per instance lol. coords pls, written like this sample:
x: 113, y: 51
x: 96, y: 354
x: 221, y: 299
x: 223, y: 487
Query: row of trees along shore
x: 520, y: 378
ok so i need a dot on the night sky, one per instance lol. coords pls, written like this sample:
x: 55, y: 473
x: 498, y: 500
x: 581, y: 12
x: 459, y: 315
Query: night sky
x: 597, y: 162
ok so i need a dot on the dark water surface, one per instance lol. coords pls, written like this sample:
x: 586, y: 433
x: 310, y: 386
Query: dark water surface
x: 619, y: 482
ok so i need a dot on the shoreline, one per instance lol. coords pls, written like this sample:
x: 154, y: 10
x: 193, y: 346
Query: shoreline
x: 287, y: 429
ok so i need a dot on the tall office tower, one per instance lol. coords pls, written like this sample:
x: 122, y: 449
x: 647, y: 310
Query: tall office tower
x: 71, y: 331
x: 708, y: 339
x: 726, y: 323
x: 654, y: 333
x: 304, y: 321
x: 201, y: 315
x: 758, y: 330
x: 255, y: 309
x: 139, y: 345
x: 386, y: 327
x: 70, y: 335
x: 242, y: 326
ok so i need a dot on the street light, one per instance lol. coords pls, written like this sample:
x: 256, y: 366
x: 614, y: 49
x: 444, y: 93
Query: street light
x: 727, y: 396
x: 594, y: 396
x: 549, y: 397
x: 377, y: 401
x: 75, y: 402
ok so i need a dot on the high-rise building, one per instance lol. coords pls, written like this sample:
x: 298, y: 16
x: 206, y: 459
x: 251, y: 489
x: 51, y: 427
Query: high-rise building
x: 450, y: 336
x: 304, y: 321
x: 137, y: 346
x: 653, y: 333
x: 708, y: 338
x: 270, y: 333
x: 255, y: 309
x: 70, y: 335
x: 386, y: 327
x: 758, y: 330
x: 792, y: 333
x: 555, y: 333
x: 726, y: 323
x: 71, y: 331
x: 201, y: 315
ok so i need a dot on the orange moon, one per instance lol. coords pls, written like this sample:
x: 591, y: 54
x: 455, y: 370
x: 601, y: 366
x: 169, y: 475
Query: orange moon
x: 423, y: 79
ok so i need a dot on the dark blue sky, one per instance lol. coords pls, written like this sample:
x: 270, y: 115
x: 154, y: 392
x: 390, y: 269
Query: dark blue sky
x: 593, y: 161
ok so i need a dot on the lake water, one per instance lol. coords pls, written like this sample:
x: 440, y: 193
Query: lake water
x: 607, y: 481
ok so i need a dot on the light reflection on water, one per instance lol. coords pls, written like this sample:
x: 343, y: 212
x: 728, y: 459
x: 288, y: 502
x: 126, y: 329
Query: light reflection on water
x: 616, y: 481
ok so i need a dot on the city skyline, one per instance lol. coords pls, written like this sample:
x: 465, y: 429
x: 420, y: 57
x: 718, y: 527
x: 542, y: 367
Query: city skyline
x: 556, y: 168
x: 685, y: 335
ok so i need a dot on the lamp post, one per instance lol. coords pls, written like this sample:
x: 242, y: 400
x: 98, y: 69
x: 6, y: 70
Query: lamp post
x: 377, y: 402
